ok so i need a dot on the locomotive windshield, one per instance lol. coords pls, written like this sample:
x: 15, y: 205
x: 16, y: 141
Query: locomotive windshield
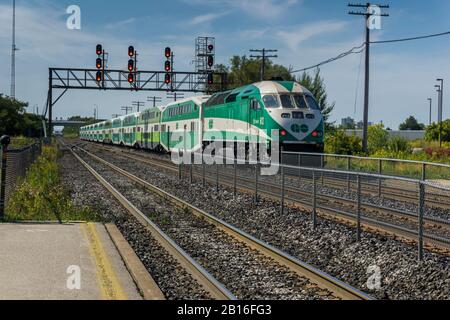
x: 286, y: 101
x: 270, y: 101
x: 312, y: 103
x: 300, y: 101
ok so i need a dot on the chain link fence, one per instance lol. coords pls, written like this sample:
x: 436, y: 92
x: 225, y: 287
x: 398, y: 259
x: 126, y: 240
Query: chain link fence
x: 18, y: 161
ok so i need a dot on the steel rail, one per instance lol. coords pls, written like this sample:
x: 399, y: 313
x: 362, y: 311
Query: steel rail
x: 323, y: 280
x: 204, y: 278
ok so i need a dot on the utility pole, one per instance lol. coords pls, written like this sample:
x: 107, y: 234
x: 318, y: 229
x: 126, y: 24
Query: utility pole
x: 263, y: 56
x: 175, y: 95
x: 95, y: 111
x: 13, y: 54
x: 371, y: 10
x: 138, y: 105
x: 155, y: 100
x: 440, y: 110
x: 431, y: 109
x: 127, y: 109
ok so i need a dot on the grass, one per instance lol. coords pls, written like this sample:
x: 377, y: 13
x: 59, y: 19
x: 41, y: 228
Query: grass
x: 21, y: 142
x: 41, y: 197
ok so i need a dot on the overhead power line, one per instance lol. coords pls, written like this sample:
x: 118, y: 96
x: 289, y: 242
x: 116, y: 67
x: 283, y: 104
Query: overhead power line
x: 351, y: 51
x: 413, y: 38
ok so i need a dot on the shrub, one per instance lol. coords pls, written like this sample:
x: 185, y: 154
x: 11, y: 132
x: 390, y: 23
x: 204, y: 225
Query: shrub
x: 432, y: 132
x: 399, y: 144
x: 377, y: 138
x: 338, y: 142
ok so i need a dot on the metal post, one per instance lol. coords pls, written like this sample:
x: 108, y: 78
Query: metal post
x: 358, y: 214
x: 235, y: 178
x: 282, y: 190
x: 322, y: 164
x: 4, y: 141
x: 256, y: 182
x: 348, y: 174
x: 203, y: 172
x: 380, y: 172
x: 217, y: 177
x: 420, y: 220
x: 299, y: 168
x: 191, y: 169
x: 424, y: 173
x: 314, y: 212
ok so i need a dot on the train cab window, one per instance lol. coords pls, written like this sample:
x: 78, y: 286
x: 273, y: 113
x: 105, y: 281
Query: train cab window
x: 300, y: 101
x: 255, y: 104
x: 271, y: 101
x: 286, y: 101
x: 312, y: 103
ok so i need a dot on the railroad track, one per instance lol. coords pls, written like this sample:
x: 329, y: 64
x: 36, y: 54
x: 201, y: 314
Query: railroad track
x: 336, y: 287
x: 325, y: 204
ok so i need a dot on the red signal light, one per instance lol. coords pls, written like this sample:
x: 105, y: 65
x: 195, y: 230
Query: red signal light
x: 210, y: 61
x: 167, y: 66
x: 210, y: 78
x: 167, y: 79
x: 99, y: 49
x: 130, y: 78
x: 168, y: 52
x: 131, y: 51
x: 98, y: 76
x: 130, y: 65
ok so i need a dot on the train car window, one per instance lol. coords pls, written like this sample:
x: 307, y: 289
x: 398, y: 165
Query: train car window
x: 300, y: 101
x: 286, y: 101
x: 255, y: 104
x: 312, y: 103
x: 156, y: 128
x: 271, y: 101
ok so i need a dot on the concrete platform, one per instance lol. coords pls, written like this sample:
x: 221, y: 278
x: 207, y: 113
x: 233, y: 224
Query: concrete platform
x: 62, y: 262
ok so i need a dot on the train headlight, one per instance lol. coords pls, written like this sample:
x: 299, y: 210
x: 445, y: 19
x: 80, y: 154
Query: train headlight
x: 315, y: 134
x: 283, y: 133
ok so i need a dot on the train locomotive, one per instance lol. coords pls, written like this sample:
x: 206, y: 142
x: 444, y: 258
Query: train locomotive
x: 250, y: 113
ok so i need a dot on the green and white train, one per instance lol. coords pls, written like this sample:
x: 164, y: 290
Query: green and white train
x: 247, y: 114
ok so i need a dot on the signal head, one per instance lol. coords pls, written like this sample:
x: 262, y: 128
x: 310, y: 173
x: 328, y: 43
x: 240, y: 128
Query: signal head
x: 210, y: 78
x: 168, y: 52
x: 130, y: 65
x: 167, y: 79
x: 131, y: 51
x: 99, y: 76
x: 167, y: 66
x: 210, y: 61
x: 130, y: 78
x: 99, y: 49
x: 99, y: 63
x: 210, y: 47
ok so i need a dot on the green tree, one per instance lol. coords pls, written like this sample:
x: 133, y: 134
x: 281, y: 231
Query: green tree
x: 315, y: 83
x: 11, y: 115
x: 432, y: 133
x: 412, y: 124
x: 75, y: 130
x: 243, y: 71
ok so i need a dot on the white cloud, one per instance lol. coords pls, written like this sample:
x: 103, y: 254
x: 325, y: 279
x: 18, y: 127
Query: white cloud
x: 206, y: 18
x: 294, y: 37
x: 265, y: 9
x: 119, y: 24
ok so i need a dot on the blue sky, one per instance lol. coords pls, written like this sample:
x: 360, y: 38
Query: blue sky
x: 304, y: 31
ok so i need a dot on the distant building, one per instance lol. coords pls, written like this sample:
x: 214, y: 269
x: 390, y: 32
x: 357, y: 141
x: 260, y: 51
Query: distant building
x: 360, y: 125
x: 348, y: 122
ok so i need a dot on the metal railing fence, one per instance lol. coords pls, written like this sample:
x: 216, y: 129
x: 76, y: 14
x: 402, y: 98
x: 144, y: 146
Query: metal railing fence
x: 418, y: 209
